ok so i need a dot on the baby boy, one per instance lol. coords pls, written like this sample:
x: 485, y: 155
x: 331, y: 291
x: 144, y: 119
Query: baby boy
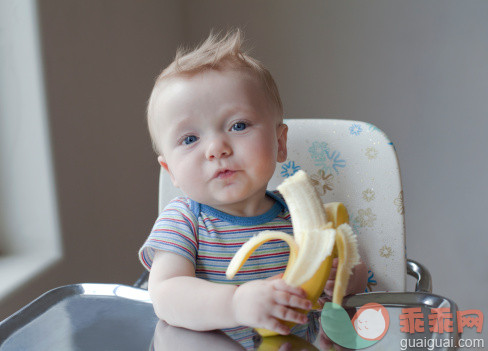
x: 216, y: 121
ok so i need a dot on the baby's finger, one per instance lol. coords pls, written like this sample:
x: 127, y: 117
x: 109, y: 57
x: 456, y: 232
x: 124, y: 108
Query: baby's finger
x: 333, y: 273
x: 290, y: 300
x: 329, y: 287
x: 275, y: 325
x: 323, y: 299
x: 279, y: 284
x: 289, y: 314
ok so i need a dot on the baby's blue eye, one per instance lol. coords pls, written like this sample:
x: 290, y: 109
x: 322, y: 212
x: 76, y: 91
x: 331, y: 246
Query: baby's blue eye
x: 190, y: 139
x: 239, y: 126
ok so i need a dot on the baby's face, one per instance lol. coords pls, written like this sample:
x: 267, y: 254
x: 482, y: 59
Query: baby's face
x: 221, y: 137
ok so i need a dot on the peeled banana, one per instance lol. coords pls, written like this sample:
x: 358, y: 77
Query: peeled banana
x: 320, y: 233
x: 345, y: 248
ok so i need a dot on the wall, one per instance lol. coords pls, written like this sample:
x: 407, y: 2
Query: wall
x: 100, y: 61
x: 28, y: 243
x: 416, y: 69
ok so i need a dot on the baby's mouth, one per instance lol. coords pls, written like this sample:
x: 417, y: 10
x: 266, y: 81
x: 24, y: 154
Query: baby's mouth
x: 224, y: 174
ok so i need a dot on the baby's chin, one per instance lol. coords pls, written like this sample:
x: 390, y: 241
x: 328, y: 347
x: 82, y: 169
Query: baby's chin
x: 215, y: 199
x: 224, y: 201
x: 229, y: 199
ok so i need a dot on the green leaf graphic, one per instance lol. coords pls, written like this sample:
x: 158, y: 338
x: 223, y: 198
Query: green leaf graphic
x: 338, y: 327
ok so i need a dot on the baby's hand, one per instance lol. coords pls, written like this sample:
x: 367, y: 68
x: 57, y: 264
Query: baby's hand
x: 357, y: 281
x: 262, y: 303
x: 329, y: 285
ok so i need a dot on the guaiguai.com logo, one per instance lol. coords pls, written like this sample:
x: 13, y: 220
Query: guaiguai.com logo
x: 371, y: 322
x: 366, y: 328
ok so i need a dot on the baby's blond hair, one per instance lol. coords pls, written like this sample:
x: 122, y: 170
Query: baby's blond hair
x: 217, y: 52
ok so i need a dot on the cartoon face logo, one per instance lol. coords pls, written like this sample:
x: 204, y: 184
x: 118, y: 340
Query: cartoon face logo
x: 369, y: 325
x: 371, y: 321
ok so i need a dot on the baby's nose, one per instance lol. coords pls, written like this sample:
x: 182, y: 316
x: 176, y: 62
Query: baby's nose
x: 218, y: 148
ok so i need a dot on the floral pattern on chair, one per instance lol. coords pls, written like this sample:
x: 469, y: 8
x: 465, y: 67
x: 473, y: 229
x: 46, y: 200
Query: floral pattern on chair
x: 355, y: 163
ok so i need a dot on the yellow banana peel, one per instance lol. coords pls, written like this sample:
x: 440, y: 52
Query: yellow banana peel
x: 285, y: 342
x: 320, y: 233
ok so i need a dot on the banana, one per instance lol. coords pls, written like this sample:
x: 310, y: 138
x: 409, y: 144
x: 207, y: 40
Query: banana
x: 320, y: 233
x: 345, y: 248
x: 285, y: 342
x: 304, y: 205
x: 336, y: 213
x: 252, y: 244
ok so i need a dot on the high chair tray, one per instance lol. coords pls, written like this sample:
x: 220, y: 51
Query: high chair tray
x: 402, y: 329
x: 119, y: 317
x: 82, y: 317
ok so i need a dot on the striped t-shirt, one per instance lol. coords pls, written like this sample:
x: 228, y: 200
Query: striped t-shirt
x: 209, y: 238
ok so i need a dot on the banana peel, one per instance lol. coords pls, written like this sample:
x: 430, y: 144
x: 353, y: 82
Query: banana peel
x: 320, y: 233
x: 336, y: 213
x: 345, y: 248
x: 288, y: 342
x: 347, y: 253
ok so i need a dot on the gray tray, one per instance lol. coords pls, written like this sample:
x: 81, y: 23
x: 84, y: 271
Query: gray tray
x: 394, y: 303
x: 82, y: 317
x: 117, y: 317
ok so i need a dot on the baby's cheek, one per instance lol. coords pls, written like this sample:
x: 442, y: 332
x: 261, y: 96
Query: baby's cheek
x: 189, y: 180
x: 267, y: 174
x: 269, y: 149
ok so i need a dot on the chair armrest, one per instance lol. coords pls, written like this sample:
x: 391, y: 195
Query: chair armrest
x: 421, y: 273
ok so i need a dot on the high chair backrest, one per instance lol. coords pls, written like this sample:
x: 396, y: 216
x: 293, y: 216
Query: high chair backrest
x: 355, y: 163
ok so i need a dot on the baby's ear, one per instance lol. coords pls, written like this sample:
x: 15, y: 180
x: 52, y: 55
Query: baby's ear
x: 282, y: 137
x: 163, y: 164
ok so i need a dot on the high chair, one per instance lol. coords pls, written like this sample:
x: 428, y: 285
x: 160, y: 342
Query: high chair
x: 355, y: 163
x: 349, y: 161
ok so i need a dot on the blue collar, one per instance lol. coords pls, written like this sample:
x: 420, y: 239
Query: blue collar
x: 269, y: 215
